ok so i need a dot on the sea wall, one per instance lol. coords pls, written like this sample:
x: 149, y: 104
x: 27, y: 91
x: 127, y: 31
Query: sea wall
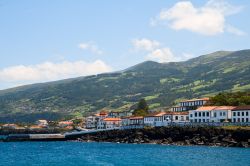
x: 210, y: 136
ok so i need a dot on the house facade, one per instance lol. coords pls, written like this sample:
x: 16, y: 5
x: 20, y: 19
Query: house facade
x: 207, y: 114
x: 109, y: 123
x: 91, y: 122
x: 241, y: 114
x: 132, y: 122
x: 154, y: 119
x: 187, y: 105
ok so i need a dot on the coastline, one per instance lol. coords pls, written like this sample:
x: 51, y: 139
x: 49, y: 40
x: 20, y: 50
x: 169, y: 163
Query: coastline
x: 171, y: 135
x: 180, y: 136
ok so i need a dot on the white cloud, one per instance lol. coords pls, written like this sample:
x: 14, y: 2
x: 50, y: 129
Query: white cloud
x: 145, y: 44
x: 161, y: 55
x: 235, y: 31
x: 154, y: 49
x: 209, y: 19
x: 48, y: 71
x: 91, y: 46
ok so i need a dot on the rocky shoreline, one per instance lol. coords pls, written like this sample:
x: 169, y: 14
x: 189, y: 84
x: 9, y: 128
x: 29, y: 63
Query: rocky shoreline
x: 208, y: 136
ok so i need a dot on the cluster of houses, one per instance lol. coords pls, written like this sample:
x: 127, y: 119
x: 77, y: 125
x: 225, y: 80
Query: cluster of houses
x: 194, y: 111
x: 40, y: 124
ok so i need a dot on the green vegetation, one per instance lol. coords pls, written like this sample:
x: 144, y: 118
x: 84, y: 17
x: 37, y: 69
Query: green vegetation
x: 141, y: 109
x: 160, y: 84
x: 233, y: 99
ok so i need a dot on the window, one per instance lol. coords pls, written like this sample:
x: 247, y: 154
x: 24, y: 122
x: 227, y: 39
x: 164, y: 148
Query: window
x: 224, y: 113
x: 238, y: 113
x: 191, y: 115
x: 199, y: 114
x: 203, y: 114
x: 242, y: 113
x: 215, y: 114
x: 247, y: 113
x: 220, y: 113
x: 238, y: 120
x: 195, y: 120
x: 191, y: 120
x: 242, y: 120
x: 207, y: 113
x: 176, y: 117
x: 247, y: 120
x: 199, y: 120
x: 234, y: 113
x: 203, y: 120
x: 195, y: 114
x: 234, y: 120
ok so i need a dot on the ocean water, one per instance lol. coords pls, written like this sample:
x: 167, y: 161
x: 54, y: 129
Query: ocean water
x: 109, y: 154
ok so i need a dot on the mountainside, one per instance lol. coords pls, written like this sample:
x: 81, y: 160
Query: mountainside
x: 160, y: 84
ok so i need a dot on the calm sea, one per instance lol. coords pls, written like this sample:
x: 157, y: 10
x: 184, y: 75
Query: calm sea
x: 77, y: 153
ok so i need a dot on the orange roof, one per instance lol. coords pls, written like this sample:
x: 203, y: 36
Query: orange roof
x: 136, y: 117
x: 206, y: 99
x: 66, y: 122
x: 112, y: 119
x: 224, y: 107
x: 215, y: 108
x: 103, y: 113
x: 206, y: 108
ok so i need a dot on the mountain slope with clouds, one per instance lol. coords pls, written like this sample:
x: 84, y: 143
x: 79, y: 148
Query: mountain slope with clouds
x: 160, y: 84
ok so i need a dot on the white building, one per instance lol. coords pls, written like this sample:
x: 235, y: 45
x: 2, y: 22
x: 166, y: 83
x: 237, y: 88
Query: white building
x: 93, y: 121
x: 109, y: 123
x: 165, y: 118
x: 207, y: 114
x: 154, y: 119
x: 241, y: 114
x: 42, y: 123
x: 132, y: 122
x: 192, y: 104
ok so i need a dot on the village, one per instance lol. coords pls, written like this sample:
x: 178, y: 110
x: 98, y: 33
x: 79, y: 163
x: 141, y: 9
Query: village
x: 188, y: 112
x: 196, y: 112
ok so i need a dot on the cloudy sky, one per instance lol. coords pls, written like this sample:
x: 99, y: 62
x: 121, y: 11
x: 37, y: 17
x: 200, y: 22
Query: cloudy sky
x: 47, y: 40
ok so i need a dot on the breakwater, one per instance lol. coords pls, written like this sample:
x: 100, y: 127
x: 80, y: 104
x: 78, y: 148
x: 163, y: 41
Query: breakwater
x: 33, y: 137
x: 209, y: 136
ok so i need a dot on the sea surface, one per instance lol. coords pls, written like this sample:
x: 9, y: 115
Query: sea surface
x: 109, y: 154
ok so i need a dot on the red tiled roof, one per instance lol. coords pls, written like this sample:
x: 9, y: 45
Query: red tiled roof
x: 103, y: 113
x: 136, y: 117
x: 65, y: 122
x: 215, y: 108
x: 224, y: 107
x: 112, y: 119
x: 206, y: 108
x: 246, y: 107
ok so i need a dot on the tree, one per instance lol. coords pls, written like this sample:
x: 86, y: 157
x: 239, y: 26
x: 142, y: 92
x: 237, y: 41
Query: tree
x: 141, y: 109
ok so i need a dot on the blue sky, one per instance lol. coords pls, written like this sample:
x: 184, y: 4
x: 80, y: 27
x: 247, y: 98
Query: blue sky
x: 48, y: 40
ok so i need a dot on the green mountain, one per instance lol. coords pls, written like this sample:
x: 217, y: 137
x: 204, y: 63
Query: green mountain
x: 161, y: 84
